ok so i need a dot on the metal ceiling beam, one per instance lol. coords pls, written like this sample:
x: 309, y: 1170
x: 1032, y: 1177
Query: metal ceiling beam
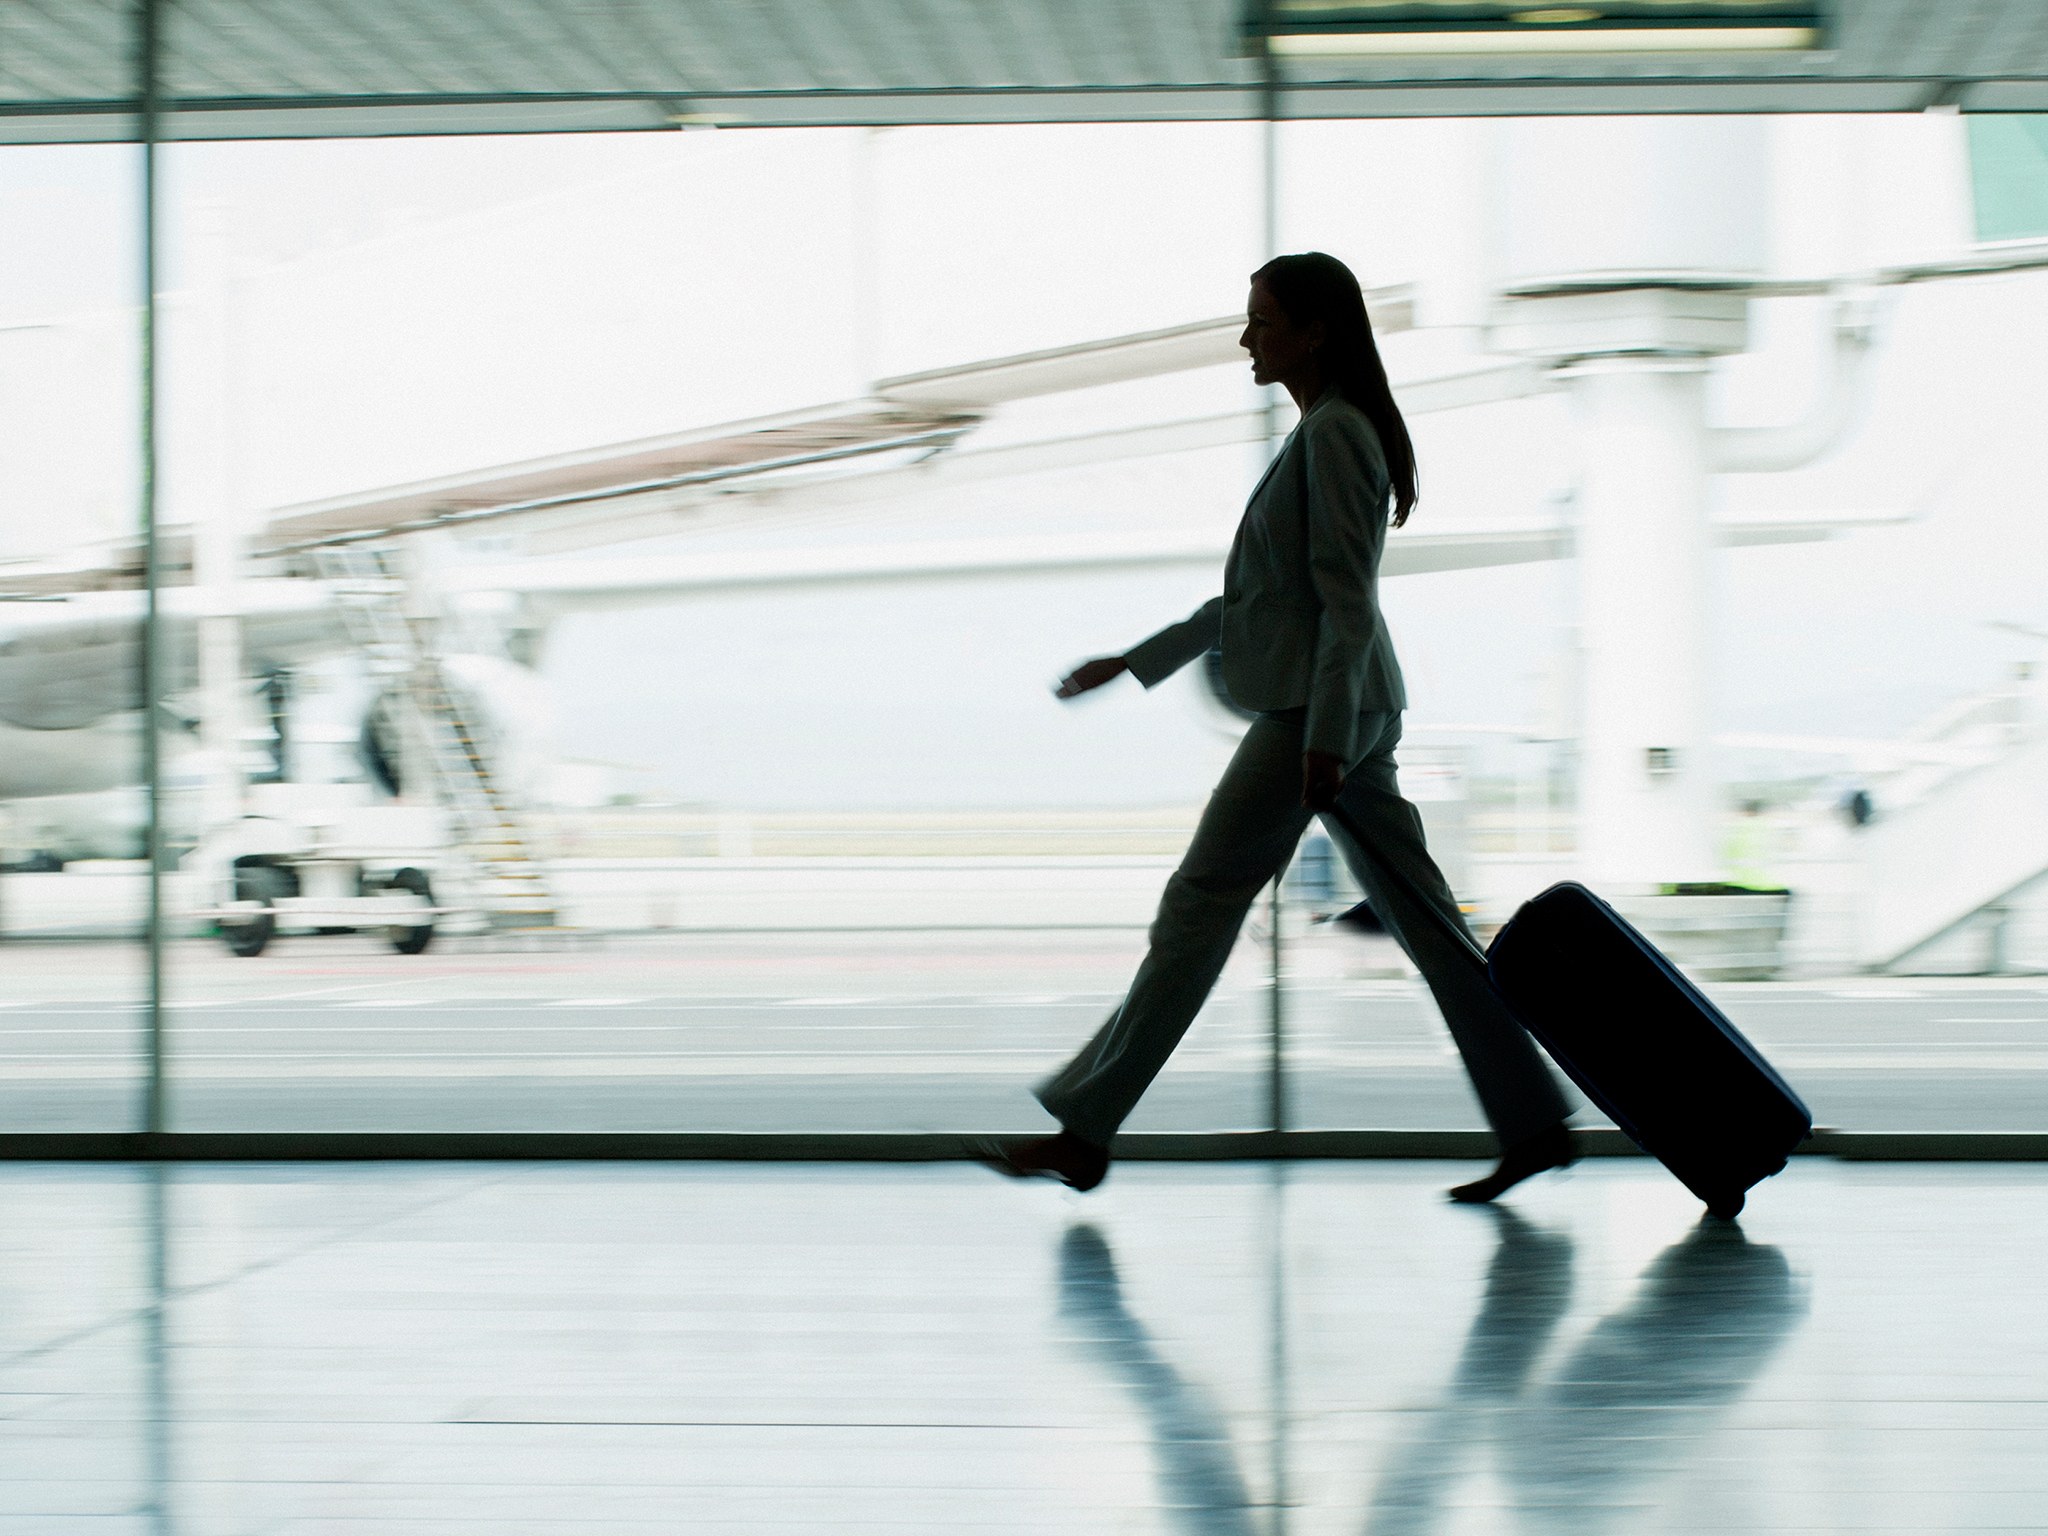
x: 388, y: 116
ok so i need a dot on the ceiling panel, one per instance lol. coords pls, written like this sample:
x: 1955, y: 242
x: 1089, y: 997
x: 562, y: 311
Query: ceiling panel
x: 258, y: 68
x: 55, y: 49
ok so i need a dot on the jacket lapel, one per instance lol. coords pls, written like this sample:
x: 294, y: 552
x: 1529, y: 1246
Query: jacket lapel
x: 1287, y: 446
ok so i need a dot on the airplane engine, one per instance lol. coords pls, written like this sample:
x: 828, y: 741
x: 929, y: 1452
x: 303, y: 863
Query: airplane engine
x: 504, y: 707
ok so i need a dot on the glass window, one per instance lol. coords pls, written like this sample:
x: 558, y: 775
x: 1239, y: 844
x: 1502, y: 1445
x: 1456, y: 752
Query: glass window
x: 73, y: 882
x: 722, y: 787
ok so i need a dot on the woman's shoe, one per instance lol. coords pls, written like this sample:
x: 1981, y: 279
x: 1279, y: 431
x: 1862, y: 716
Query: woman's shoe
x: 1075, y: 1163
x: 1543, y: 1151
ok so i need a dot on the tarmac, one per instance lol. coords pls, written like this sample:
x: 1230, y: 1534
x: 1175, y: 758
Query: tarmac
x: 874, y: 1033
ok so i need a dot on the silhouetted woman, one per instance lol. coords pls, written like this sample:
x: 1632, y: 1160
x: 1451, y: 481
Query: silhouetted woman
x: 1305, y: 648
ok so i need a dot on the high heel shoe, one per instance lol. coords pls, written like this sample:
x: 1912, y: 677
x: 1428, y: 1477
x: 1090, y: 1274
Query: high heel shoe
x: 1541, y: 1152
x: 1078, y: 1164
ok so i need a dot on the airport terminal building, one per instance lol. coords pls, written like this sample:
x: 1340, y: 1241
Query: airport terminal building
x: 558, y: 823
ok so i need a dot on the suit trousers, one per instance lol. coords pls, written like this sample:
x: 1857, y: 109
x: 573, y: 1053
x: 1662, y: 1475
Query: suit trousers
x: 1246, y: 836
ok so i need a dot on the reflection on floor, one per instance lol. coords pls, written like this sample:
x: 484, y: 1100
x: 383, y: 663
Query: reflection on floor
x: 1195, y: 1349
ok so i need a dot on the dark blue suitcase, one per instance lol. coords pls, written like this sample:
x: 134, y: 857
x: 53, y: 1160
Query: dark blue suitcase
x: 1646, y: 1045
x: 1642, y: 1042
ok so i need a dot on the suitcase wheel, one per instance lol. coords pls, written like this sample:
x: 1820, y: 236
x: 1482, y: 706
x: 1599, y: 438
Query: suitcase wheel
x: 1727, y: 1207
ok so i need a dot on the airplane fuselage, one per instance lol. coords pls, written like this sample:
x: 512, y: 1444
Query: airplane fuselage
x: 104, y: 754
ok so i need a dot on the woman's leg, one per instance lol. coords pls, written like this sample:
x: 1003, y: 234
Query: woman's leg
x: 1250, y: 827
x: 1516, y: 1090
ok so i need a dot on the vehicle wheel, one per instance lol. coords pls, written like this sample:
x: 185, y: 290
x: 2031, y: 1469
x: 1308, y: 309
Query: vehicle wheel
x: 256, y: 882
x: 412, y: 940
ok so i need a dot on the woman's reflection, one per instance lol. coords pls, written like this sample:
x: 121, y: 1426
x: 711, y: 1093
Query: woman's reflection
x: 1202, y: 1489
x: 1528, y: 1289
x: 1638, y: 1395
x: 1574, y: 1444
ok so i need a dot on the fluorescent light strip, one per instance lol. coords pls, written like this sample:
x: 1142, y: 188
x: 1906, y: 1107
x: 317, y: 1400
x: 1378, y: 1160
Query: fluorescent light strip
x: 1327, y: 45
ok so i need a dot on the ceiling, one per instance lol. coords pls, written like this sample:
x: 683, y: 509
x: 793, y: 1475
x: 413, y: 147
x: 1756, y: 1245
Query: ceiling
x: 315, y: 68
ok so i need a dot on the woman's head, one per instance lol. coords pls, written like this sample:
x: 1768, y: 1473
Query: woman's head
x: 1327, y: 325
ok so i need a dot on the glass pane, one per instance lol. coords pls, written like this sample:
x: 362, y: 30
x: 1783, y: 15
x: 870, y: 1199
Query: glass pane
x: 72, y: 877
x: 739, y: 800
x: 1818, y: 800
x: 2009, y: 175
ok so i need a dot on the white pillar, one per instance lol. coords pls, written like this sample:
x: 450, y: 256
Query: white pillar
x: 1635, y: 358
x: 1646, y: 787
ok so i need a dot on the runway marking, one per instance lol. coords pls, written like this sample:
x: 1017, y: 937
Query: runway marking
x: 326, y: 996
x: 598, y: 1002
x: 386, y: 1002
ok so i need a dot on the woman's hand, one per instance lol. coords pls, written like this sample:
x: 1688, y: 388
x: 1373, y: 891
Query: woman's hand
x: 1322, y: 776
x: 1091, y: 674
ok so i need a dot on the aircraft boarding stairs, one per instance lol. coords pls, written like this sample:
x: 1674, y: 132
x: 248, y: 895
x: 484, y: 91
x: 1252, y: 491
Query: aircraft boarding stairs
x: 496, y: 871
x: 1960, y: 834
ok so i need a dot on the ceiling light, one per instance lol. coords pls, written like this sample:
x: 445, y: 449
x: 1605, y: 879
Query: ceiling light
x: 1406, y: 28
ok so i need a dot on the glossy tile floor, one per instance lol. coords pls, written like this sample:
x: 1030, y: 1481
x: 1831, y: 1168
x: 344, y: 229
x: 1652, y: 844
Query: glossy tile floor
x: 712, y: 1349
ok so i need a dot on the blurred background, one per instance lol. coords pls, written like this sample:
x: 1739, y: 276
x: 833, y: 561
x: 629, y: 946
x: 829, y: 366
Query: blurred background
x: 611, y: 586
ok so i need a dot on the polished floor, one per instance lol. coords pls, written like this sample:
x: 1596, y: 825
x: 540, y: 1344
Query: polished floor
x: 1222, y: 1348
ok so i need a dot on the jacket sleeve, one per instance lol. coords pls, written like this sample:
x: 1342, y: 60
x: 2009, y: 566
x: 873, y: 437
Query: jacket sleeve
x: 1153, y: 661
x: 1347, y: 528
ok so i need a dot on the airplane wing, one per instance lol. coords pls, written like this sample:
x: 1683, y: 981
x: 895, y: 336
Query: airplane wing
x: 920, y: 413
x: 825, y: 435
x: 113, y: 566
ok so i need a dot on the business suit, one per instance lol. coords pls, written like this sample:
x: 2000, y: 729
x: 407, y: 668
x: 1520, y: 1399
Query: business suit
x: 1305, y: 645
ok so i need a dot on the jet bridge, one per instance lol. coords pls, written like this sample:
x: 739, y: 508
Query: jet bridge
x: 1954, y: 844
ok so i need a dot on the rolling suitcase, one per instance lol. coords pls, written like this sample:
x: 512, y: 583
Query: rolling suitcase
x: 1646, y: 1045
x: 1642, y: 1042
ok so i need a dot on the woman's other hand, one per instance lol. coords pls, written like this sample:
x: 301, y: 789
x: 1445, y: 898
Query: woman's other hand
x: 1091, y: 674
x: 1322, y: 776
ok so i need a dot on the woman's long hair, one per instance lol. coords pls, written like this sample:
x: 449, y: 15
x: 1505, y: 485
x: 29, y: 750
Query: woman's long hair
x: 1312, y: 287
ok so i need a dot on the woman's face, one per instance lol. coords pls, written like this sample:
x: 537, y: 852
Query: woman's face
x: 1281, y: 350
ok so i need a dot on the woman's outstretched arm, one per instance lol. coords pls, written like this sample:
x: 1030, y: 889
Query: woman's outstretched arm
x: 1156, y: 659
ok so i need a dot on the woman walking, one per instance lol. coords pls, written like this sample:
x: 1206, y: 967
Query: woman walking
x: 1305, y: 648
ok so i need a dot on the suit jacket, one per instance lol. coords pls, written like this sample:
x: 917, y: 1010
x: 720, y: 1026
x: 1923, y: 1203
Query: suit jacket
x: 1299, y: 619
